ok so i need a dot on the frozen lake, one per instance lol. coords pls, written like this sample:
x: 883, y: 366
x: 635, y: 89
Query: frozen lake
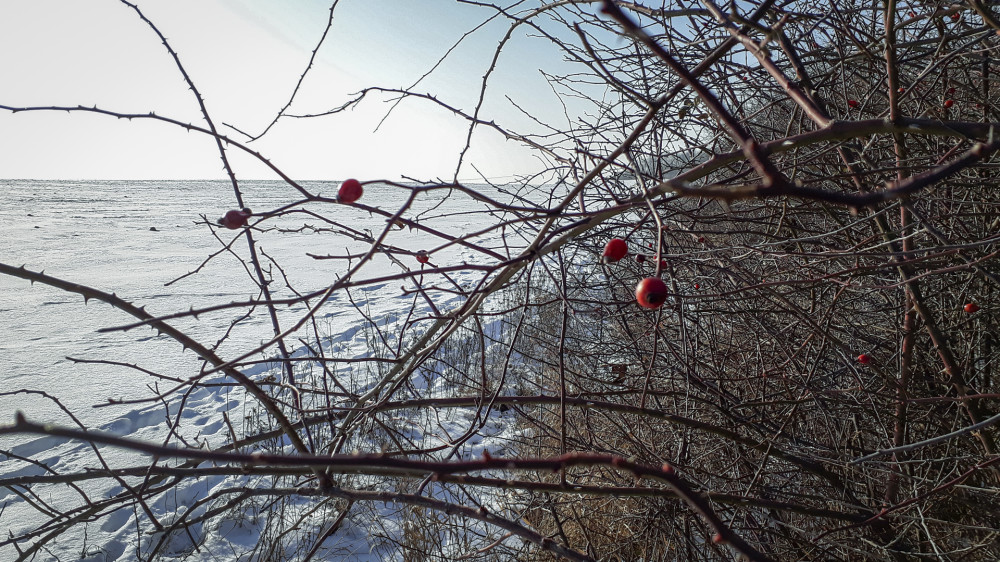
x: 101, y: 234
x: 141, y: 240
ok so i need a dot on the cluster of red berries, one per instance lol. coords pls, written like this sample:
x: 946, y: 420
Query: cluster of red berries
x: 969, y: 307
x: 352, y: 190
x: 651, y: 292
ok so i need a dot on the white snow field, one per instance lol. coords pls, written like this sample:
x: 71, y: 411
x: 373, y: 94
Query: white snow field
x: 135, y: 238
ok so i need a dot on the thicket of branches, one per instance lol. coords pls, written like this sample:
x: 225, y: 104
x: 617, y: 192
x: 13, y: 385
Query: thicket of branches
x: 815, y: 183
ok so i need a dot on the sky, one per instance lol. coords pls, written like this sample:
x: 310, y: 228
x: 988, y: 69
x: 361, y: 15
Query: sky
x: 245, y: 57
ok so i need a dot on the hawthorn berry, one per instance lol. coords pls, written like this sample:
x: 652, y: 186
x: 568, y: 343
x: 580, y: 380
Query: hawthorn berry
x: 235, y: 219
x: 422, y: 257
x: 971, y: 308
x: 864, y: 359
x: 350, y: 191
x: 651, y: 292
x: 852, y: 104
x: 614, y: 250
x: 640, y: 258
x: 948, y: 103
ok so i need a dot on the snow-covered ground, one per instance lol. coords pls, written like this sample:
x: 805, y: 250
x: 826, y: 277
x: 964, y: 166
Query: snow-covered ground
x: 132, y: 238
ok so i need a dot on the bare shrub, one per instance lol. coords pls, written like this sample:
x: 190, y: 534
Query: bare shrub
x: 815, y: 183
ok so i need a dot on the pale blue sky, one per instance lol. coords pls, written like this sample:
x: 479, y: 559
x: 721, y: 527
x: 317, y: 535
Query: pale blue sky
x: 245, y: 56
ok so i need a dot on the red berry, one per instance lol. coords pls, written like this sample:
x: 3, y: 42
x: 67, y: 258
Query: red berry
x: 864, y: 359
x: 235, y: 219
x: 972, y: 308
x: 951, y: 91
x: 422, y: 257
x: 651, y: 292
x: 717, y: 538
x: 902, y: 90
x: 350, y: 191
x: 701, y: 239
x: 948, y: 103
x: 614, y: 250
x: 640, y: 258
x: 913, y: 14
x: 697, y: 286
x: 852, y: 103
x: 955, y: 16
